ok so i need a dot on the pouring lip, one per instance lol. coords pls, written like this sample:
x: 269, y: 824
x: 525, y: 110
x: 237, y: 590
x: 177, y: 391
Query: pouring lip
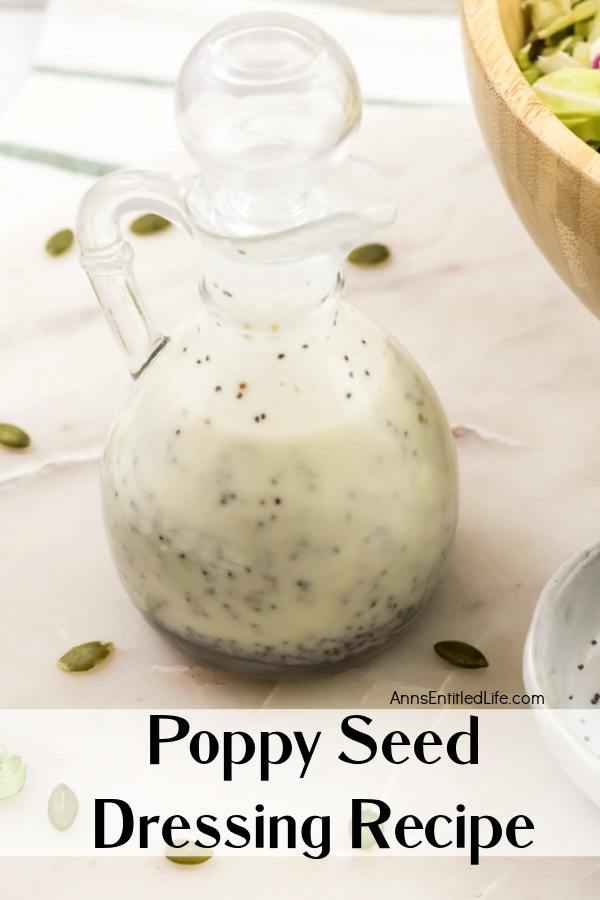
x: 341, y: 224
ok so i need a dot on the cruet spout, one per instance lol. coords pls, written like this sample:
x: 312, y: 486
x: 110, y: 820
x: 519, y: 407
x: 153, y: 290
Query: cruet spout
x: 356, y: 203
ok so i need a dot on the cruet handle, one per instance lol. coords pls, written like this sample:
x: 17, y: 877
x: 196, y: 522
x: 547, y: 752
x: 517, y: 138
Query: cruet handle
x: 108, y: 258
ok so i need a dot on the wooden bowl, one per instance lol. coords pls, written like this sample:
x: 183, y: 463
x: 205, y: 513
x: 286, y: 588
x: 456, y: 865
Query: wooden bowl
x: 551, y: 176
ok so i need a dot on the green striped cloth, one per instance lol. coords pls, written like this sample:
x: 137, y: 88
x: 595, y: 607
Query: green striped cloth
x: 101, y: 89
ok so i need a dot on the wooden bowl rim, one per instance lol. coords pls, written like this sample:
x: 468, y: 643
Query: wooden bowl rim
x: 483, y: 28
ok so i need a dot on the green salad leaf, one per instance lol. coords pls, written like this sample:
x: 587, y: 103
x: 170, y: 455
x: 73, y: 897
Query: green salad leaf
x: 546, y: 10
x: 556, y: 60
x: 559, y: 20
x: 571, y: 92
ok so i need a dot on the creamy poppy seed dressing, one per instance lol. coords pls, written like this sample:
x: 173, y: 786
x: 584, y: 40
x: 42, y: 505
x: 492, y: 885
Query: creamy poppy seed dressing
x: 283, y: 498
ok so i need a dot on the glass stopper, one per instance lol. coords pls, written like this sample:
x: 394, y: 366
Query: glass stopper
x: 267, y: 104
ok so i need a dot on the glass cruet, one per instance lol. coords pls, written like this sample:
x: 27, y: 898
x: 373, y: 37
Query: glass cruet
x: 280, y: 483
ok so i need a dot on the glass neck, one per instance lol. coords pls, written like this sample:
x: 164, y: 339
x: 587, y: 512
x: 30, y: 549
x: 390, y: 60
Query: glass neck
x: 269, y: 296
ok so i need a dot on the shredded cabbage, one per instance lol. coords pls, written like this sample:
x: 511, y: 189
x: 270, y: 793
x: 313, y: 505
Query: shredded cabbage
x: 561, y: 59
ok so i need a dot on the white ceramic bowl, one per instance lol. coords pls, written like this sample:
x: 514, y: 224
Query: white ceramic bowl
x: 562, y: 662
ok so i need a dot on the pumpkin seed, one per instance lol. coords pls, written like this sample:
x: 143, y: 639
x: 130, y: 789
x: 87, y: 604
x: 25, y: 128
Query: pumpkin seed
x: 12, y: 774
x: 149, y: 223
x: 60, y: 242
x: 460, y: 654
x: 85, y: 656
x: 188, y: 860
x: 12, y: 436
x: 63, y: 807
x: 369, y: 254
x: 369, y: 813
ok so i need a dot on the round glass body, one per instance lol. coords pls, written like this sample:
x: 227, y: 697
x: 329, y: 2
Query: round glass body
x: 281, y: 501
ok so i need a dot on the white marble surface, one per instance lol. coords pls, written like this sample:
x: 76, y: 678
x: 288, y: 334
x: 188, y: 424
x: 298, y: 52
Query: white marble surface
x: 19, y: 32
x: 513, y: 356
